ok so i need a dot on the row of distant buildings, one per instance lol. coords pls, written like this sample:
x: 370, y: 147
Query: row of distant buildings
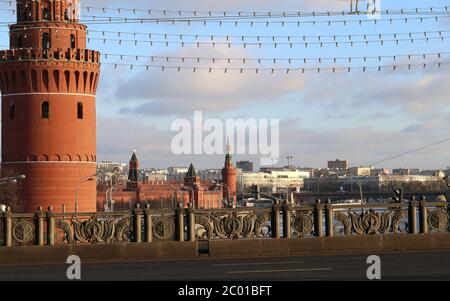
x: 338, y: 176
x: 268, y: 179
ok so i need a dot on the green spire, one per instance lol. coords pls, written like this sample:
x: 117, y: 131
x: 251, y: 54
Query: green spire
x: 191, y: 172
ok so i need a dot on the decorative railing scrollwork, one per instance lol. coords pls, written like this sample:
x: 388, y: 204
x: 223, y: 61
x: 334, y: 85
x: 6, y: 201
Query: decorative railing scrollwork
x: 23, y: 231
x: 93, y: 229
x: 278, y: 221
x: 302, y: 223
x: 233, y: 224
x: 370, y: 221
x: 163, y: 226
x: 438, y: 219
x: 400, y: 221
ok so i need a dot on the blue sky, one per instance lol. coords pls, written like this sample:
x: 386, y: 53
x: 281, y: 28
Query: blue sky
x: 362, y: 117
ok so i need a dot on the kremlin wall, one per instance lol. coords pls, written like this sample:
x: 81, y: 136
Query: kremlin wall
x: 166, y: 194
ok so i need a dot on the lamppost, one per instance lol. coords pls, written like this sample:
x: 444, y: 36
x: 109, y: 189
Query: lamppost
x: 109, y: 200
x: 12, y: 180
x: 9, y: 180
x: 193, y: 194
x: 279, y: 181
x: 358, y: 182
x: 82, y: 180
x: 227, y: 188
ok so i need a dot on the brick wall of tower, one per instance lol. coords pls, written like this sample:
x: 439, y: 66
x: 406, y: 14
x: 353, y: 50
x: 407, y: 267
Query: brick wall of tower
x: 229, y: 177
x: 55, y: 150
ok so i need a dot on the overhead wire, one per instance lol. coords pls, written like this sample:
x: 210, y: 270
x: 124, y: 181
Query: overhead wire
x: 284, y: 14
x: 301, y: 70
x: 275, y: 60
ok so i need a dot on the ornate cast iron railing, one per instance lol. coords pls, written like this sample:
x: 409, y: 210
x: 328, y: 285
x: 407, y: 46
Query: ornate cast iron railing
x: 233, y: 224
x: 279, y: 221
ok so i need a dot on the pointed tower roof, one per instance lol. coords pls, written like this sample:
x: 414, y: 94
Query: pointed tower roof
x: 133, y: 174
x: 228, y: 156
x: 191, y: 172
x: 134, y: 157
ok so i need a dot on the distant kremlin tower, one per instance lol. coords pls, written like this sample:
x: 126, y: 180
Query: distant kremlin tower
x: 48, y: 81
x: 229, y: 178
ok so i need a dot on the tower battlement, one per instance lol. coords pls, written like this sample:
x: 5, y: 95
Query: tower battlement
x: 45, y: 71
x: 32, y: 54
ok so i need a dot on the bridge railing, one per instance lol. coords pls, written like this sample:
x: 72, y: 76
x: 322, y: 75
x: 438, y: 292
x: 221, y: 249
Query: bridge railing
x: 143, y: 225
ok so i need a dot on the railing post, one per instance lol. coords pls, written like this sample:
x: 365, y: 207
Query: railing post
x: 276, y: 219
x: 423, y: 215
x: 50, y: 227
x: 318, y: 219
x: 191, y: 222
x: 180, y: 222
x: 8, y: 227
x: 39, y: 227
x: 329, y: 218
x: 137, y: 212
x: 412, y: 215
x: 286, y: 220
x: 148, y: 224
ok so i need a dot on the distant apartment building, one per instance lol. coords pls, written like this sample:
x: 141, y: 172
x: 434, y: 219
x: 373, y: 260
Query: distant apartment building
x: 360, y: 171
x: 380, y: 171
x: 245, y: 166
x: 105, y: 166
x: 274, y: 180
x: 404, y: 171
x: 338, y: 164
x: 373, y: 183
x: 176, y: 173
x: 210, y: 175
x: 154, y: 175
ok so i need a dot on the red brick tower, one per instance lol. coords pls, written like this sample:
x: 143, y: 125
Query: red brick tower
x: 192, y: 181
x: 229, y: 178
x: 48, y: 81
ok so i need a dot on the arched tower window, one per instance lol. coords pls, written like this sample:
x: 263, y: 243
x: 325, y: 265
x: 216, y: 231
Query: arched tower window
x: 45, y: 15
x: 45, y: 110
x: 12, y: 110
x: 80, y: 110
x: 72, y: 41
x: 66, y: 15
x: 46, y: 43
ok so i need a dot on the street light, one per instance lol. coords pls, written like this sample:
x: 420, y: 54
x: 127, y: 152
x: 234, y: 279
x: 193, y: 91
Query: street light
x: 12, y: 180
x: 109, y: 200
x: 227, y: 188
x: 358, y: 182
x: 287, y: 186
x: 82, y: 180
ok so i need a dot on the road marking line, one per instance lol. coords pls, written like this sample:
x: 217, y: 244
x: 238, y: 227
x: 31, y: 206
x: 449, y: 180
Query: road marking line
x: 280, y: 271
x: 257, y: 263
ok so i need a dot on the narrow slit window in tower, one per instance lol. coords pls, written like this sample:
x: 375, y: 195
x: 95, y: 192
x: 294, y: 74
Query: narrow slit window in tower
x: 12, y: 110
x: 46, y: 41
x: 80, y: 110
x: 45, y: 110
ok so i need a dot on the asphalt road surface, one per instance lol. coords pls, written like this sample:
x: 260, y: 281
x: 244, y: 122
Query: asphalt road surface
x: 394, y: 266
